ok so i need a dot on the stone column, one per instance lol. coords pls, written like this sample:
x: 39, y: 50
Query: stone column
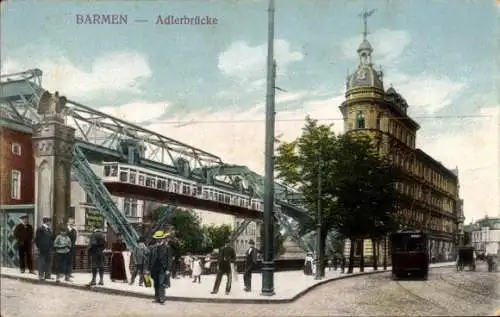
x: 53, y: 143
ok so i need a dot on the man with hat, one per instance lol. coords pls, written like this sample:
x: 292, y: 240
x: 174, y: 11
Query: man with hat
x: 23, y: 233
x: 226, y: 259
x: 160, y: 258
x: 97, y: 244
x: 250, y: 265
x: 43, y: 240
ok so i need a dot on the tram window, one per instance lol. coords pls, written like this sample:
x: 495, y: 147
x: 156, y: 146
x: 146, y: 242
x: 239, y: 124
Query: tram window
x: 153, y: 181
x: 194, y: 190
x: 132, y: 177
x: 114, y: 170
x: 415, y: 245
x: 107, y: 170
x: 185, y: 189
x: 227, y: 199
x: 176, y: 187
x: 199, y: 189
x: 148, y: 181
x: 123, y: 176
x: 141, y: 180
x: 159, y: 184
x: 205, y: 194
x: 167, y: 184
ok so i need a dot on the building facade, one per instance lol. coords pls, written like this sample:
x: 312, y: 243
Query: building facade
x: 432, y: 189
x: 17, y: 192
x: 485, y: 235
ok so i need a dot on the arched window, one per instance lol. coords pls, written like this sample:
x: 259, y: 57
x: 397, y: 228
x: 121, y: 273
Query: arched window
x: 379, y: 116
x: 360, y: 120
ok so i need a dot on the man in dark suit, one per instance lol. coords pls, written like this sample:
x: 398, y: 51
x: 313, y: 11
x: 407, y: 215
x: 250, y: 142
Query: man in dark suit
x: 250, y: 265
x: 44, y: 240
x: 159, y: 263
x: 97, y: 244
x: 24, y: 236
x: 73, y: 234
x: 227, y: 256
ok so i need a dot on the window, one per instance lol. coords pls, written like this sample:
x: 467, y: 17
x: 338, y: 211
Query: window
x: 16, y: 149
x: 378, y: 121
x: 15, y: 185
x: 360, y: 120
x: 130, y: 207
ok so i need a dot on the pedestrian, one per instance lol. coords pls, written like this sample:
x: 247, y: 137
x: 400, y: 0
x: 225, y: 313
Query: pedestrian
x: 73, y: 235
x: 188, y: 263
x: 197, y: 270
x: 250, y: 265
x: 227, y: 256
x: 118, y: 272
x: 159, y: 262
x: 308, y: 264
x: 23, y: 233
x: 97, y: 244
x: 139, y: 256
x: 62, y: 246
x: 44, y: 241
x: 208, y: 263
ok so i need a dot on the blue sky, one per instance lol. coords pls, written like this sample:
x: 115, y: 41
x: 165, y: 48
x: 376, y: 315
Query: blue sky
x: 439, y: 54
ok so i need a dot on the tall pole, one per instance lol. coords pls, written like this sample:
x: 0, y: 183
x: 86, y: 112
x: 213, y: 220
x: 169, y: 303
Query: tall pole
x: 319, y: 257
x: 268, y: 263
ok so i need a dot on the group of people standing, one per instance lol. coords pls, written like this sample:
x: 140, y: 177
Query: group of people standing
x: 48, y: 244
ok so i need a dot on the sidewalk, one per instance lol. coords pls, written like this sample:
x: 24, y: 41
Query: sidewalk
x: 288, y: 286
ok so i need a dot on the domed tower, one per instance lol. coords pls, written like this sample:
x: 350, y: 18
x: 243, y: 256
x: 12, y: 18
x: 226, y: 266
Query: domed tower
x: 364, y: 89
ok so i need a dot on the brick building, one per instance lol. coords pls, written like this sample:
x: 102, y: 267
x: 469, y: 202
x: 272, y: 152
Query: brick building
x: 17, y: 185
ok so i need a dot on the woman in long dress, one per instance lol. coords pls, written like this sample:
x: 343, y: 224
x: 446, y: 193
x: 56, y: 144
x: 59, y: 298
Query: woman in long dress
x: 308, y: 264
x: 118, y: 272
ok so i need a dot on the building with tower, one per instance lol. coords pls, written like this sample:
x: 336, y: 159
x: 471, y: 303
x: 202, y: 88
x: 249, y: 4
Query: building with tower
x: 432, y: 189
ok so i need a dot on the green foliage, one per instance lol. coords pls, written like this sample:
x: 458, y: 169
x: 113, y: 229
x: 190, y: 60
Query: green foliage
x: 186, y: 224
x: 217, y: 235
x: 358, y: 197
x: 279, y: 240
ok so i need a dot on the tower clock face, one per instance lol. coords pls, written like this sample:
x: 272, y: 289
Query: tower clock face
x: 361, y: 74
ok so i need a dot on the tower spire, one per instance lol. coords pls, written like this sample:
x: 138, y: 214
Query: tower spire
x: 365, y: 15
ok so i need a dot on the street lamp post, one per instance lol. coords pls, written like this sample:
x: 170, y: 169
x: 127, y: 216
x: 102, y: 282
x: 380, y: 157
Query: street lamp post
x: 268, y: 261
x: 319, y: 258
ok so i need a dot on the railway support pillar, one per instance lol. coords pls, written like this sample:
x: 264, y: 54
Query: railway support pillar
x: 53, y: 143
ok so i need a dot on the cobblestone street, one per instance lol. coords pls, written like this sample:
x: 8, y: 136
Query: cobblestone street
x: 445, y: 293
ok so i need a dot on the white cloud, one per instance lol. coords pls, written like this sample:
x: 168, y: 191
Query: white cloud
x: 238, y: 136
x: 247, y: 64
x: 111, y: 72
x: 137, y: 112
x: 425, y: 93
x: 388, y: 45
x: 475, y: 151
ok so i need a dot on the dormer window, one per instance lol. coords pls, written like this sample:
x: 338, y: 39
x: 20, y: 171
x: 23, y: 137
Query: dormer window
x: 360, y: 120
x: 16, y: 149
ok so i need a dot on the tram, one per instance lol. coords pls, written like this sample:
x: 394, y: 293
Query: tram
x: 115, y: 172
x: 409, y: 253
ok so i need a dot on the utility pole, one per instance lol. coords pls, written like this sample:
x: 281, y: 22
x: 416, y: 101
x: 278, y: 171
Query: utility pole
x: 268, y: 263
x: 319, y: 257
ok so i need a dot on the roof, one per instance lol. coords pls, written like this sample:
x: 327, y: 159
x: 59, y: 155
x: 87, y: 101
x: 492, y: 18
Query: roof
x: 420, y: 154
x: 365, y: 76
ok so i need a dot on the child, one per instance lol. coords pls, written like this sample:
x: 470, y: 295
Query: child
x: 197, y: 269
x: 62, y: 245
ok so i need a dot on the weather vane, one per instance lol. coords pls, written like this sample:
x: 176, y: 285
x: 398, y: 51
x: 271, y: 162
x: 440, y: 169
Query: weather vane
x: 365, y: 15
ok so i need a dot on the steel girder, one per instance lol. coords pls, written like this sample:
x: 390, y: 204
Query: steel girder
x: 95, y: 127
x: 239, y: 230
x: 101, y: 198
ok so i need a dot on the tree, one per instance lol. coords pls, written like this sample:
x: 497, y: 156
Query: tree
x: 186, y: 226
x: 279, y: 240
x: 218, y: 235
x: 298, y: 164
x: 366, y: 191
x: 357, y: 185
